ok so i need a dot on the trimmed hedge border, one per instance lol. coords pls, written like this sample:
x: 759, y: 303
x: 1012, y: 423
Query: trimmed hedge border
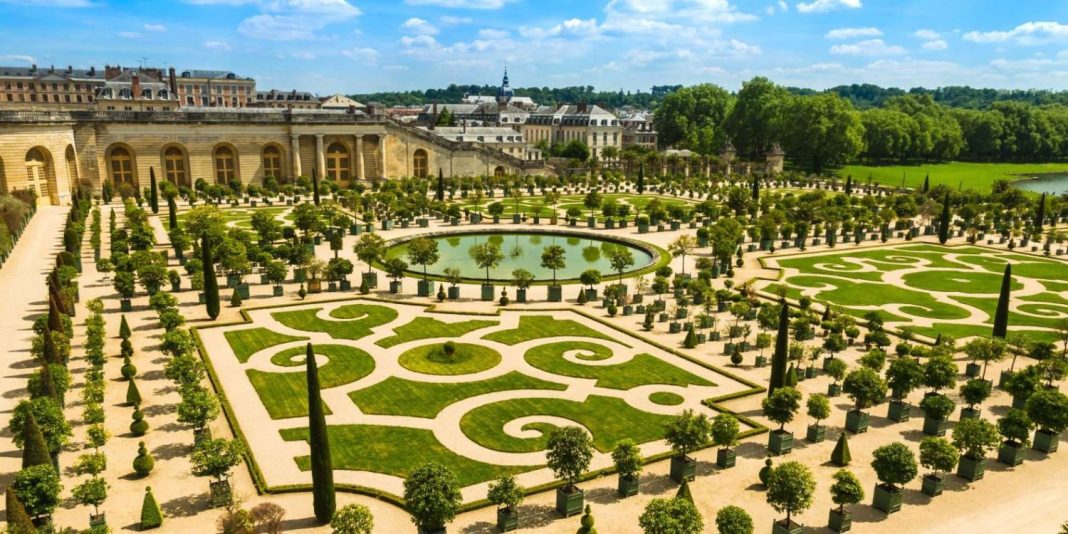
x: 261, y: 484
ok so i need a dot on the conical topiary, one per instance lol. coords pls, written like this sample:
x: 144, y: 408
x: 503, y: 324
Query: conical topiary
x: 587, y: 523
x: 684, y: 491
x: 34, y: 448
x: 47, y: 384
x: 151, y: 517
x: 791, y: 376
x: 235, y: 299
x: 582, y: 296
x: 126, y: 349
x: 779, y: 357
x: 765, y: 472
x: 124, y: 328
x: 840, y: 456
x: 364, y: 288
x: 691, y: 338
x: 324, y: 501
x: 133, y: 395
x: 128, y: 369
x: 139, y: 426
x: 18, y: 521
x: 144, y: 462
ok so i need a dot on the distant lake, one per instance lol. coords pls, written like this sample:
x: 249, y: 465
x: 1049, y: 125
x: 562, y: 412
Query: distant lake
x: 1053, y: 183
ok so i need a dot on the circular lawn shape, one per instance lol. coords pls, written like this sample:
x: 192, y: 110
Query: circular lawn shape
x: 431, y: 359
x: 951, y: 281
x: 666, y: 398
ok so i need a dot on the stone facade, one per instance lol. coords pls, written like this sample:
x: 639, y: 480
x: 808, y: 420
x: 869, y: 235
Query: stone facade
x: 53, y: 152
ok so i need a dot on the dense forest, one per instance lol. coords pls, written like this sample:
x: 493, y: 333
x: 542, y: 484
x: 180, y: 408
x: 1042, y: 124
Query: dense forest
x: 541, y: 95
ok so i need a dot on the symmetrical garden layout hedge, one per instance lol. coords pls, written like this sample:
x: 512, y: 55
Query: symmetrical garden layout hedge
x: 395, y: 401
x: 930, y: 288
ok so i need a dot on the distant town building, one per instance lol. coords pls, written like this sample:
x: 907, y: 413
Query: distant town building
x: 286, y: 100
x: 48, y: 89
x: 595, y: 126
x: 215, y: 88
x: 501, y: 138
x: 135, y: 90
x: 638, y: 128
x: 342, y: 102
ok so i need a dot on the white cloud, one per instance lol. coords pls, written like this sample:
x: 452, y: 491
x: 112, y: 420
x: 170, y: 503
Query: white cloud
x: 156, y: 28
x: 871, y: 47
x: 783, y: 6
x: 449, y: 20
x: 419, y: 26
x: 823, y: 6
x: 623, y: 14
x: 367, y: 55
x: 288, y: 20
x: 491, y: 33
x: 306, y: 56
x: 30, y: 60
x: 49, y: 3
x: 926, y: 35
x: 850, y: 33
x: 396, y: 67
x: 217, y: 45
x: 130, y: 35
x: 1026, y: 33
x: 935, y: 45
x: 585, y: 27
x: 461, y: 4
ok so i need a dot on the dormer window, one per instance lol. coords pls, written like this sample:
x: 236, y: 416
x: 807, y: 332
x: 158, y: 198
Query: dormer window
x: 125, y: 93
x: 146, y: 93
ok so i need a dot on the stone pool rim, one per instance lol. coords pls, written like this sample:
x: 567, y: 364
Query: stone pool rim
x: 660, y: 256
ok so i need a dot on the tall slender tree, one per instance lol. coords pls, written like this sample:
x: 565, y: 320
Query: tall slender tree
x: 927, y: 183
x: 640, y: 186
x: 440, y: 194
x: 323, y: 499
x: 782, y: 347
x: 315, y: 187
x: 153, y: 190
x: 34, y: 448
x: 849, y: 185
x: 211, y: 284
x: 1001, y: 316
x: 55, y: 321
x: 943, y: 222
x: 18, y: 521
x: 756, y: 189
x: 172, y: 213
x: 1040, y: 213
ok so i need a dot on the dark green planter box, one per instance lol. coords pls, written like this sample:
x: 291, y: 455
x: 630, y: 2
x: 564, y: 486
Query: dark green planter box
x: 674, y: 328
x: 125, y: 305
x: 243, y: 290
x: 591, y: 295
x: 726, y: 458
x: 973, y: 369
x: 1011, y: 454
x: 816, y: 433
x: 394, y: 287
x: 761, y: 361
x: 935, y: 427
x: 780, y: 442
x: 521, y: 296
x: 424, y: 288
x: 810, y: 372
x: 556, y: 293
x: 423, y: 222
x: 932, y: 485
x: 507, y: 519
x: 277, y: 291
x: 627, y: 487
x: 857, y: 422
x: 683, y: 468
x: 971, y: 469
x: 345, y: 285
x: 488, y: 292
x: 454, y: 292
x: 834, y: 390
x: 887, y: 500
x: 968, y: 413
x: 643, y: 228
x: 421, y: 530
x: 1005, y: 375
x: 840, y: 521
x: 793, y: 528
x: 1046, y: 442
x: 569, y: 504
x: 371, y: 279
x: 221, y: 495
x: 899, y: 412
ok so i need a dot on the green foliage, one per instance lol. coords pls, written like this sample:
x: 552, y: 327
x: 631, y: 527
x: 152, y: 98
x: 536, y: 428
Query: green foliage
x: 352, y: 519
x: 846, y: 489
x: 506, y: 492
x: 894, y: 464
x: 133, y: 394
x: 18, y: 521
x: 1016, y: 426
x: 143, y: 462
x: 938, y: 406
x: 975, y: 391
x: 49, y: 418
x: 570, y: 450
x: 93, y: 491
x: 782, y: 405
x: 687, y: 431
x: 903, y: 376
x: 35, y: 450
x: 975, y: 437
x: 151, y: 516
x: 38, y: 488
x: 819, y: 407
x: 627, y: 457
x: 1048, y: 408
x: 820, y: 131
x: 323, y: 497
x: 211, y: 284
x: 733, y: 520
x: 790, y: 488
x: 725, y: 430
x: 781, y: 354
x: 865, y: 387
x: 670, y: 516
x: 840, y: 456
x: 432, y: 495
x: 940, y: 372
x: 938, y: 454
x: 216, y: 457
x: 695, y: 118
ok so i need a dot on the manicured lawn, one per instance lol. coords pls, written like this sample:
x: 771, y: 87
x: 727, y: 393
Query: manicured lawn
x: 608, y: 419
x: 979, y: 176
x: 432, y: 360
x: 397, y: 396
x: 252, y: 340
x: 641, y: 370
x: 667, y: 398
x: 286, y: 394
x: 397, y: 451
x: 426, y: 328
x: 241, y: 217
x: 543, y: 326
x: 363, y: 317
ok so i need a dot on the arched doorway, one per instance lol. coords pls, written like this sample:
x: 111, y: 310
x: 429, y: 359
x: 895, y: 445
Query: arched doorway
x: 498, y: 172
x: 272, y: 162
x: 420, y: 164
x: 225, y: 161
x: 174, y: 166
x: 121, y: 167
x: 72, y: 170
x: 40, y: 176
x: 337, y: 162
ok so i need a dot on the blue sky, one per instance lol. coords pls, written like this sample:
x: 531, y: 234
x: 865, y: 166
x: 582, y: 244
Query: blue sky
x: 355, y: 46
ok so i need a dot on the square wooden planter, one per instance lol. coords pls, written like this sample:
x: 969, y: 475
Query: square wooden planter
x: 780, y: 442
x: 726, y: 458
x: 971, y: 469
x: 569, y: 503
x: 1011, y: 453
x: 488, y: 292
x: 507, y: 519
x: 834, y: 390
x: 887, y: 499
x: 934, y: 427
x: 857, y: 422
x: 683, y: 468
x: 816, y: 433
x: 899, y: 412
x: 932, y: 485
x: 840, y: 521
x: 781, y: 527
x: 1046, y: 442
x: 627, y: 487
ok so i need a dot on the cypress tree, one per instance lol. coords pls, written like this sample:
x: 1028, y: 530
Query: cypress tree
x: 49, y: 352
x: 849, y: 185
x: 172, y: 212
x: 211, y: 284
x: 1040, y: 214
x: 124, y: 328
x: 840, y: 456
x: 1001, y: 316
x: 133, y: 395
x: 153, y: 190
x: 927, y: 183
x: 48, y: 383
x: 34, y: 448
x: 440, y: 196
x: 315, y: 187
x: 150, y: 513
x: 782, y: 342
x: 321, y: 467
x: 18, y: 521
x: 943, y: 222
x: 640, y: 186
x: 756, y: 189
x: 55, y: 323
x: 691, y: 338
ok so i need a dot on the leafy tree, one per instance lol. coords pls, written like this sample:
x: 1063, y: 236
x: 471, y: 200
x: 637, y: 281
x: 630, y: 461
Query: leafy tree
x: 1015, y: 426
x: 894, y: 464
x: 975, y: 437
x: 38, y: 488
x: 92, y: 492
x: 215, y: 458
x: 570, y: 450
x: 821, y: 130
x: 819, y: 407
x: 846, y: 489
x: 903, y: 376
x: 627, y: 457
x: 790, y: 489
x: 755, y: 120
x: 681, y: 247
x: 1048, y: 408
x: 687, y: 431
x: 938, y: 455
x: 352, y: 519
x: 940, y: 372
x: 553, y: 257
x: 733, y: 520
x: 423, y: 251
x: 432, y: 494
x: 198, y: 406
x: 487, y: 255
x: 865, y: 387
x: 938, y: 406
x: 782, y: 405
x: 621, y: 259
x: 506, y: 492
x: 49, y: 418
x: 725, y: 430
x: 975, y: 391
x: 670, y: 516
x: 695, y: 118
x: 369, y: 248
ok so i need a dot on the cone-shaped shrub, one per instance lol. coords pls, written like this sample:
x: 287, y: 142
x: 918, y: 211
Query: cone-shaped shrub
x: 34, y: 448
x: 1001, y: 315
x: 840, y: 456
x: 782, y: 349
x: 124, y: 328
x: 133, y: 395
x: 18, y: 521
x: 151, y: 517
x: 684, y: 491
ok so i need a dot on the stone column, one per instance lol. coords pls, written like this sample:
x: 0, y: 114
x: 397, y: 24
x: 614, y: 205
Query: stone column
x: 320, y: 156
x: 361, y: 173
x: 381, y: 157
x: 295, y: 155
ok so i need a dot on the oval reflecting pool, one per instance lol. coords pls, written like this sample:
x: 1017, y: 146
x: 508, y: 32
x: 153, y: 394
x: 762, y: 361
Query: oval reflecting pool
x: 523, y: 250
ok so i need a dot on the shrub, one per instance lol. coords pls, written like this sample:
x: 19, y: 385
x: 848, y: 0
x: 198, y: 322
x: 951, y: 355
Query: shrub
x: 865, y: 387
x: 143, y: 462
x: 975, y: 437
x: 1016, y: 427
x: 846, y: 489
x: 352, y: 519
x: 677, y: 516
x: 781, y: 406
x: 570, y: 450
x: 938, y: 455
x: 733, y: 520
x: 505, y: 492
x: 790, y: 488
x: 687, y: 431
x: 938, y: 406
x: 894, y: 464
x: 433, y: 496
x: 627, y: 457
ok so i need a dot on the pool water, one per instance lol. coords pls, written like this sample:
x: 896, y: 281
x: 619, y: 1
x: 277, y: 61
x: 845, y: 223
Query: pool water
x: 523, y: 250
x: 1054, y: 184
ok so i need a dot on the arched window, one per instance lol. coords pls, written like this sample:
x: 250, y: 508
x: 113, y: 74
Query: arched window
x: 420, y: 164
x: 121, y: 165
x: 337, y: 162
x: 225, y: 165
x: 174, y: 166
x: 498, y: 172
x: 272, y: 162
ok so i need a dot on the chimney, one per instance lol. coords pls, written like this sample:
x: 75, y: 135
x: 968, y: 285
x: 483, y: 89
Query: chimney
x: 174, y: 82
x: 582, y: 107
x: 135, y: 86
x: 33, y: 68
x: 434, y: 115
x: 70, y: 69
x: 92, y: 71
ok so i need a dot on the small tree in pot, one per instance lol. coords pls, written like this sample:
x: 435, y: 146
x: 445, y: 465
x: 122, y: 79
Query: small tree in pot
x: 569, y: 452
x: 627, y: 457
x: 780, y: 408
x: 1048, y: 408
x: 215, y: 458
x: 903, y: 376
x: 845, y: 490
x: 974, y: 392
x: 369, y: 249
x: 1015, y: 427
x: 487, y: 255
x: 93, y: 492
x: 790, y: 490
x: 939, y: 456
x: 725, y: 435
x: 432, y: 495
x: 836, y: 369
x: 522, y: 279
x: 936, y: 410
x: 677, y: 516
x: 685, y: 433
x: 895, y: 465
x: 974, y: 438
x: 554, y: 258
x: 867, y: 389
x: 819, y: 408
x: 507, y: 495
x: 423, y: 251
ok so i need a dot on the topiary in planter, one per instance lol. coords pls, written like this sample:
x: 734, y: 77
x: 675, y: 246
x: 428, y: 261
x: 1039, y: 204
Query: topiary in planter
x: 144, y: 462
x: 840, y: 456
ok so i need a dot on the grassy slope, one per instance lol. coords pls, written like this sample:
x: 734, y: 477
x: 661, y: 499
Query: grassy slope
x: 979, y: 176
x: 397, y: 396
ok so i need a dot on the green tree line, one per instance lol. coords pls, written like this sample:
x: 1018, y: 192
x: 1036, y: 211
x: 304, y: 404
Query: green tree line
x: 542, y: 95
